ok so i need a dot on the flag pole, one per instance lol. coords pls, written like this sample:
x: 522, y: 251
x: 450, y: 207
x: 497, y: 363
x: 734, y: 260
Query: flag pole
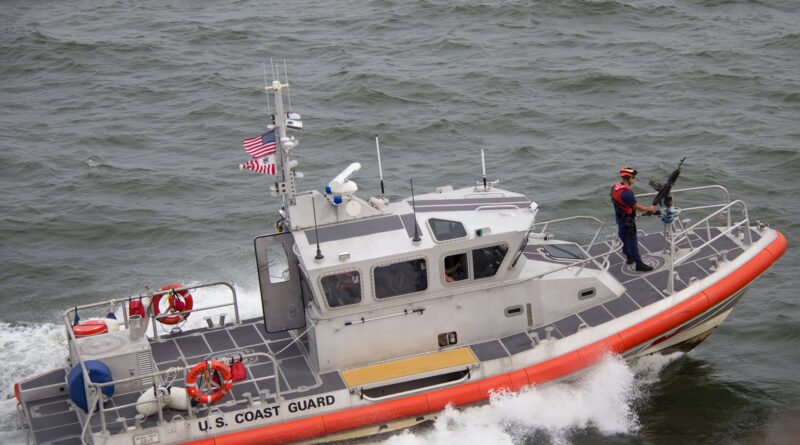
x: 380, y: 169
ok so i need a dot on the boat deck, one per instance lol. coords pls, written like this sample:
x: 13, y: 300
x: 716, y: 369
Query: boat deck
x: 54, y: 421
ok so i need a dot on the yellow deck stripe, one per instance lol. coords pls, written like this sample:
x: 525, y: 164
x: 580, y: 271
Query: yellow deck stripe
x: 408, y: 366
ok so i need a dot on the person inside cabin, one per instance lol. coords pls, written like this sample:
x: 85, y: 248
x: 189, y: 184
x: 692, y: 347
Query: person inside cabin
x: 625, y: 207
x: 454, y: 269
x: 343, y: 289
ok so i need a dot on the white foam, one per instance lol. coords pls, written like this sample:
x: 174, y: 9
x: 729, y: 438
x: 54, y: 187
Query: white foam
x: 649, y: 367
x: 27, y: 349
x: 602, y: 399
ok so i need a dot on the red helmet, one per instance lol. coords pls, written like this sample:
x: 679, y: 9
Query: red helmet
x: 627, y: 172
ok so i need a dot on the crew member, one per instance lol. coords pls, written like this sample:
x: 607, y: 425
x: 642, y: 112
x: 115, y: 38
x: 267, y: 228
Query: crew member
x: 625, y: 207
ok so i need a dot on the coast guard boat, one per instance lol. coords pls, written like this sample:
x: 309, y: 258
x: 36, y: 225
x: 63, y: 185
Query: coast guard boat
x: 379, y: 314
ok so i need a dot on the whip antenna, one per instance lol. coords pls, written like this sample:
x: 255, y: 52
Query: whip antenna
x: 266, y: 93
x: 483, y: 170
x: 273, y: 69
x: 380, y: 169
x: 288, y: 89
x: 416, y: 238
x: 319, y: 255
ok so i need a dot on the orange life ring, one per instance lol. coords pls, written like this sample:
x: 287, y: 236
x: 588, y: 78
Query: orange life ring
x: 183, y: 296
x: 89, y: 327
x: 207, y: 369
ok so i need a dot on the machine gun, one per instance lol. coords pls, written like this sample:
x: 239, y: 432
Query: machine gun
x: 664, y: 196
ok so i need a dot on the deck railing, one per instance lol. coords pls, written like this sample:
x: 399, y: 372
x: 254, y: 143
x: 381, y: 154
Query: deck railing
x: 677, y: 234
x: 94, y: 390
x: 150, y: 310
x: 166, y: 376
x: 678, y: 237
x: 674, y: 254
x: 539, y: 231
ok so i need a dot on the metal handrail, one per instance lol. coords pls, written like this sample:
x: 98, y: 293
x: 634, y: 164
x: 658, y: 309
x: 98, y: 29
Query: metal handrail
x: 679, y: 236
x: 97, y: 387
x: 496, y: 207
x: 724, y: 191
x: 88, y: 385
x: 69, y: 313
x: 545, y: 224
x: 616, y: 245
x: 694, y: 189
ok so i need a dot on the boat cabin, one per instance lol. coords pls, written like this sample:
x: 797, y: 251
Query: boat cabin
x: 378, y: 282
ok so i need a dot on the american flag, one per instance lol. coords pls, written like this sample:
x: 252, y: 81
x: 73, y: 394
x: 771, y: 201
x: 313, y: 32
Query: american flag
x: 263, y: 165
x: 260, y: 146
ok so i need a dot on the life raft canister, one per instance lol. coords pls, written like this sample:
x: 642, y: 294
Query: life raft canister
x: 206, y: 370
x: 98, y: 371
x: 176, y: 302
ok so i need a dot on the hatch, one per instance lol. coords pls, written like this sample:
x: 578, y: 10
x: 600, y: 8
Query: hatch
x: 279, y: 281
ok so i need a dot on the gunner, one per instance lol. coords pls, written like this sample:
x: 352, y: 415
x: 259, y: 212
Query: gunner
x: 625, y: 207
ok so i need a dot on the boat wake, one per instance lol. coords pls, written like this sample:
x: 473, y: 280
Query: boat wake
x: 27, y: 348
x: 603, y: 401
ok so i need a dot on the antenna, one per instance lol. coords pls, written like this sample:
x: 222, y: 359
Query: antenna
x: 319, y: 255
x: 416, y: 238
x: 483, y: 170
x: 380, y: 169
x: 288, y: 90
x: 266, y: 93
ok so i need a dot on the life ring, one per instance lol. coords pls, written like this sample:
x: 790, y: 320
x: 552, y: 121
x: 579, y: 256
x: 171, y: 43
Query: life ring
x: 206, y: 370
x: 89, y: 327
x: 184, y: 304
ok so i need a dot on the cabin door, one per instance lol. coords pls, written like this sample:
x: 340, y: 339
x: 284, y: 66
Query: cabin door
x: 279, y: 280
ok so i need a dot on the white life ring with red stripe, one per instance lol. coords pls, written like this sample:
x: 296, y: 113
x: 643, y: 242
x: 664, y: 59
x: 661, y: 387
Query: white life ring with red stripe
x: 177, y: 302
x: 206, y: 370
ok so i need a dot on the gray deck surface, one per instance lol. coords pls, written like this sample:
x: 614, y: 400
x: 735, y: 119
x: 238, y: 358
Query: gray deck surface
x: 53, y: 420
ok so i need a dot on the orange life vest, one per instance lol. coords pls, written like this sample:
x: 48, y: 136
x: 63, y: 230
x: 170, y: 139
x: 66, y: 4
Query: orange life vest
x: 616, y: 197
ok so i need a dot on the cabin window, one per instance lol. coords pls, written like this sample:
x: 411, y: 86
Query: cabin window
x: 486, y: 261
x: 342, y: 289
x: 444, y: 230
x: 402, y: 278
x: 455, y: 268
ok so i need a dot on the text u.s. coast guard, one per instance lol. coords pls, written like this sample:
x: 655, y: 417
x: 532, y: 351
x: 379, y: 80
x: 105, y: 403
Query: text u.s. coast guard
x: 267, y: 412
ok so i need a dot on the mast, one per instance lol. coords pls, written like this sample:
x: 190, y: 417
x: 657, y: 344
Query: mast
x: 286, y: 188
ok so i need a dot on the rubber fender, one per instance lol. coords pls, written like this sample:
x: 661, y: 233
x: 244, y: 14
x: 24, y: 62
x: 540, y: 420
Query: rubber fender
x: 146, y: 404
x: 98, y: 373
x: 178, y: 399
